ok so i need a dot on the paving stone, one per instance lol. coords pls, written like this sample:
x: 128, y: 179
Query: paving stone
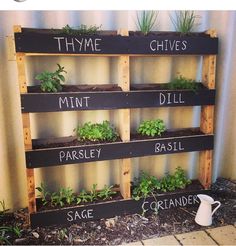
x: 225, y: 235
x: 168, y: 240
x: 138, y: 243
x: 195, y: 238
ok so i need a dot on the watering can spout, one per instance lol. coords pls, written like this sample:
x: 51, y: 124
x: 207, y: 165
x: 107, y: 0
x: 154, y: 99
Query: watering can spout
x: 204, y: 213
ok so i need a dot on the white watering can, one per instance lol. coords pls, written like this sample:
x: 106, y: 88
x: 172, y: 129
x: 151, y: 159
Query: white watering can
x: 204, y: 212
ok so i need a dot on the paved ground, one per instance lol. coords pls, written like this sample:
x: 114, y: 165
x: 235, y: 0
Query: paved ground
x: 225, y: 235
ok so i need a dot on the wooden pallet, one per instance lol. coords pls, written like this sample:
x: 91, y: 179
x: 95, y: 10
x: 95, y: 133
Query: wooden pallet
x: 122, y: 46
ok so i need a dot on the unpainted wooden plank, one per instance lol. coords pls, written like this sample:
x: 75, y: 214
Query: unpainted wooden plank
x: 207, y: 117
x: 11, y: 54
x: 20, y: 60
x: 124, y: 120
x: 204, y: 176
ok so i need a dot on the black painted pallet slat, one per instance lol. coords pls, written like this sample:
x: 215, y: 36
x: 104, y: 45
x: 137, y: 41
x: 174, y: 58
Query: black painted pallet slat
x: 111, y: 209
x: 72, y: 101
x: 30, y: 42
x: 118, y: 150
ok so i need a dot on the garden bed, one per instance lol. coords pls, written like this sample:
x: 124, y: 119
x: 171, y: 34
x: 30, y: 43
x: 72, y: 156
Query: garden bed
x: 123, y: 229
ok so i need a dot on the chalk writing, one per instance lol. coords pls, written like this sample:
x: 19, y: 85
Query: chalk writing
x: 181, y: 201
x: 168, y: 45
x: 72, y: 44
x: 175, y: 146
x: 81, y: 154
x: 73, y: 102
x: 170, y: 98
x: 78, y: 215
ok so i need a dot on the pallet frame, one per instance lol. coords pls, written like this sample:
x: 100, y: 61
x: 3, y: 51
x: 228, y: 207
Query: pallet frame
x: 207, y: 112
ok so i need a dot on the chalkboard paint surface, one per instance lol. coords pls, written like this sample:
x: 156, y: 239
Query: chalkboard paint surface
x: 47, y: 102
x: 115, y: 208
x: 96, y: 44
x: 111, y: 151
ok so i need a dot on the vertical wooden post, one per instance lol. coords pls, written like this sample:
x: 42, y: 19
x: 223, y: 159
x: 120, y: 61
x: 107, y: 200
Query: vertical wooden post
x: 124, y: 82
x: 207, y: 117
x: 20, y: 60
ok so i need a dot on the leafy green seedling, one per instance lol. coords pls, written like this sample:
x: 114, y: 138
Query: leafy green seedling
x: 182, y: 83
x: 184, y: 21
x: 3, y: 209
x: 51, y: 81
x: 83, y: 197
x: 107, y: 192
x: 152, y: 127
x: 145, y: 185
x: 68, y: 195
x: 45, y: 194
x: 93, y: 193
x: 6, y: 230
x: 175, y: 181
x: 62, y: 197
x: 81, y: 30
x: 181, y: 181
x: 96, y: 132
x: 146, y: 21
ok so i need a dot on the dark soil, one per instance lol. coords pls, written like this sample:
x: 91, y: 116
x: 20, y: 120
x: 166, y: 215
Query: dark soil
x: 170, y: 133
x: 125, y: 229
x: 66, y: 142
x: 79, y: 88
x: 60, y: 31
x: 159, y: 86
x: 166, y: 34
x: 114, y: 33
x: 108, y: 87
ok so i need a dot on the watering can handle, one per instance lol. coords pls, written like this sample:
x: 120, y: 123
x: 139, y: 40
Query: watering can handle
x: 216, y: 207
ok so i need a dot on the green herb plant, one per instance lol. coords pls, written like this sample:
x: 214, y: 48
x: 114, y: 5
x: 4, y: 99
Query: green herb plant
x: 175, y: 181
x: 51, y: 81
x: 82, y: 197
x: 152, y: 127
x: 7, y: 231
x: 145, y: 185
x: 146, y: 21
x: 62, y: 197
x: 3, y: 209
x: 44, y: 193
x: 66, y: 196
x: 184, y: 21
x: 182, y: 83
x: 148, y: 185
x: 93, y: 194
x: 81, y: 30
x: 106, y: 193
x: 96, y: 132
